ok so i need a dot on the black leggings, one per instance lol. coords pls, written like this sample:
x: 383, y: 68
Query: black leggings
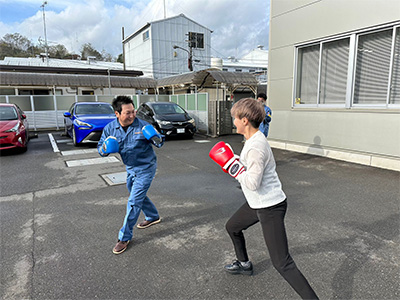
x: 273, y: 227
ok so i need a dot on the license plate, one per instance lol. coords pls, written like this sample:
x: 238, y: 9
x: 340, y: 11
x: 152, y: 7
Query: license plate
x: 180, y: 130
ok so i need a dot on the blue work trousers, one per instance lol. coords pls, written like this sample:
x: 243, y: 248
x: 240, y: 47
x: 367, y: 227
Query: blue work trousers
x: 138, y: 185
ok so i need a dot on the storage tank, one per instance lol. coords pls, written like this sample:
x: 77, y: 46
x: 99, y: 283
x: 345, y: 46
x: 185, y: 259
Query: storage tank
x: 216, y: 63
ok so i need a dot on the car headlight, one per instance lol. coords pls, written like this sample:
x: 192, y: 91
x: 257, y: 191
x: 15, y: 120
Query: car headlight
x: 80, y: 123
x: 14, y: 129
x: 163, y: 122
x: 192, y: 121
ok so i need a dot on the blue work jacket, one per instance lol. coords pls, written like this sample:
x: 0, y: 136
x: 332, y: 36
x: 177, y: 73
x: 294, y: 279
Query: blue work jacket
x: 264, y: 126
x: 136, y: 151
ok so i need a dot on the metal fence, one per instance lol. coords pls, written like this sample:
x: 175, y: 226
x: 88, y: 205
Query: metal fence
x: 47, y: 112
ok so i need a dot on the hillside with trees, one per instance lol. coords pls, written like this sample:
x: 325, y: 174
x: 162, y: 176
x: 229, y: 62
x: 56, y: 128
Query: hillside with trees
x: 17, y: 45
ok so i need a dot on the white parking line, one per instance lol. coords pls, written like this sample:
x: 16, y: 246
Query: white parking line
x: 201, y: 141
x: 64, y: 141
x: 91, y: 161
x: 53, y: 143
x: 74, y: 152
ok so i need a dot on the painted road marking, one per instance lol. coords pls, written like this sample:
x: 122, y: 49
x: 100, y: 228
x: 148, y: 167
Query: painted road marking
x: 53, y: 143
x: 76, y: 152
x: 115, y: 178
x: 64, y: 141
x: 202, y: 141
x: 92, y: 161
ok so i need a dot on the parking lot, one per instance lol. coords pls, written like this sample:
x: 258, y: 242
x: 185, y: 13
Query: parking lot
x: 62, y: 207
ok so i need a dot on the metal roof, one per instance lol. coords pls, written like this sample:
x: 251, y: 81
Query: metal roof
x: 74, y: 80
x: 63, y: 70
x: 208, y: 77
x: 61, y: 63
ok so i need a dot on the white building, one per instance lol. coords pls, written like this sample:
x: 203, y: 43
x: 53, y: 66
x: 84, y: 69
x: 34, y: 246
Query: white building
x: 255, y: 62
x: 334, y: 79
x: 151, y: 48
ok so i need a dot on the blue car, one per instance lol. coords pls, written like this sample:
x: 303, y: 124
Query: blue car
x: 84, y: 121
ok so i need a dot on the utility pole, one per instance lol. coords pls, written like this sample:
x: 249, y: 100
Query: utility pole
x: 190, y: 63
x: 45, y: 32
x: 191, y: 44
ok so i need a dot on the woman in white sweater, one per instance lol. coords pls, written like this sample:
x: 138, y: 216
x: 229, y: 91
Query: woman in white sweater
x: 266, y: 202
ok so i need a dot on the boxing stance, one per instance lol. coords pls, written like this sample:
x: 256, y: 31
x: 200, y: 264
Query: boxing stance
x: 133, y: 138
x: 266, y: 202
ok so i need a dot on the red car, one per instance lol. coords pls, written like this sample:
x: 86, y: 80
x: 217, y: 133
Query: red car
x: 13, y: 127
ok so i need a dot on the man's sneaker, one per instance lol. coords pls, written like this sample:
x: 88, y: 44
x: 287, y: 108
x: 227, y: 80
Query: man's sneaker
x: 146, y: 223
x: 237, y: 268
x: 120, y: 247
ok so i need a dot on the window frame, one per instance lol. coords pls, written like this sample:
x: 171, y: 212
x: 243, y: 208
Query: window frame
x: 351, y: 70
x: 193, y: 38
x: 146, y: 35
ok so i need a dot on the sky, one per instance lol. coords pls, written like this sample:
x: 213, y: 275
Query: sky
x: 238, y: 26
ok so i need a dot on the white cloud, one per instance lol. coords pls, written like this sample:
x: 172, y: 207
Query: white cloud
x: 238, y: 26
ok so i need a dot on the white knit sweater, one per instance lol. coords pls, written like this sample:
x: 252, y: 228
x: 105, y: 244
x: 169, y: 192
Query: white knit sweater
x: 260, y: 182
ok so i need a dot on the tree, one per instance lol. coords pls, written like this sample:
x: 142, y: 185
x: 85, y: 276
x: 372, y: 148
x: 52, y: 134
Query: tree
x: 58, y: 51
x: 15, y: 45
x: 120, y: 58
x: 106, y: 56
x: 88, y: 50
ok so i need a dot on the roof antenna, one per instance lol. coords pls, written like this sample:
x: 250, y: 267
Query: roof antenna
x: 165, y: 14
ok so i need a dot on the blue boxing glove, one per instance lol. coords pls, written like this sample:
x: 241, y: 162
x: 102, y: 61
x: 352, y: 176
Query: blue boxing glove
x: 110, y: 145
x: 151, y: 134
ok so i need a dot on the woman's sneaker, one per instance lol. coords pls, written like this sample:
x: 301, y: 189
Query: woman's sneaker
x: 237, y: 268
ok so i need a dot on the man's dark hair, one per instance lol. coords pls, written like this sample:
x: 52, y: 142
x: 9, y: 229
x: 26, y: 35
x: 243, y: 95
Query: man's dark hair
x: 119, y: 101
x: 262, y: 95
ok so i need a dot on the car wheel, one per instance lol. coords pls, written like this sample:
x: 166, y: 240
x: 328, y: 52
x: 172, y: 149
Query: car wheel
x: 74, y: 138
x: 24, y: 149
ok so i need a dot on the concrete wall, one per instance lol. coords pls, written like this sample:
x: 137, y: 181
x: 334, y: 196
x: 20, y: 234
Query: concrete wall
x: 365, y: 131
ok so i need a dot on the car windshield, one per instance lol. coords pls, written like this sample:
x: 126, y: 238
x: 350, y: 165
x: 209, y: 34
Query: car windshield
x: 94, y: 109
x: 8, y: 113
x: 165, y: 109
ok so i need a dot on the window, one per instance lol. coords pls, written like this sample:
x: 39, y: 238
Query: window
x: 196, y: 40
x: 6, y: 91
x: 145, y: 35
x: 361, y: 69
x: 238, y: 70
x: 334, y: 65
x: 307, y: 76
x: 372, y: 68
x: 395, y: 84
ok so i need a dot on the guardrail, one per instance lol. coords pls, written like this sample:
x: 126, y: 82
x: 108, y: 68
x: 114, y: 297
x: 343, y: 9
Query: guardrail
x: 47, y: 111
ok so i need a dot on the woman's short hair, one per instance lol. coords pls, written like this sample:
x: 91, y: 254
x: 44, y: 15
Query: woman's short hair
x: 119, y: 101
x: 249, y: 108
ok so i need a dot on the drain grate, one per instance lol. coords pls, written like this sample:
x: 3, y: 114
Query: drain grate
x: 115, y: 178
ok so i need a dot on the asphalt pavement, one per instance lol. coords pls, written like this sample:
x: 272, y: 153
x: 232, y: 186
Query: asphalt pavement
x: 59, y: 225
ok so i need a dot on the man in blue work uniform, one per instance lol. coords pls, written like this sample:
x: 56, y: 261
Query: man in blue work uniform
x: 132, y: 138
x: 264, y: 126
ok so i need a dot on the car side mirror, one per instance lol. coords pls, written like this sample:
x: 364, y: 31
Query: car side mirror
x: 23, y: 116
x: 67, y: 114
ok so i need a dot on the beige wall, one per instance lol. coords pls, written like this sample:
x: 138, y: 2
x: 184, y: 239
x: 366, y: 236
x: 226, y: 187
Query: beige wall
x: 375, y: 131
